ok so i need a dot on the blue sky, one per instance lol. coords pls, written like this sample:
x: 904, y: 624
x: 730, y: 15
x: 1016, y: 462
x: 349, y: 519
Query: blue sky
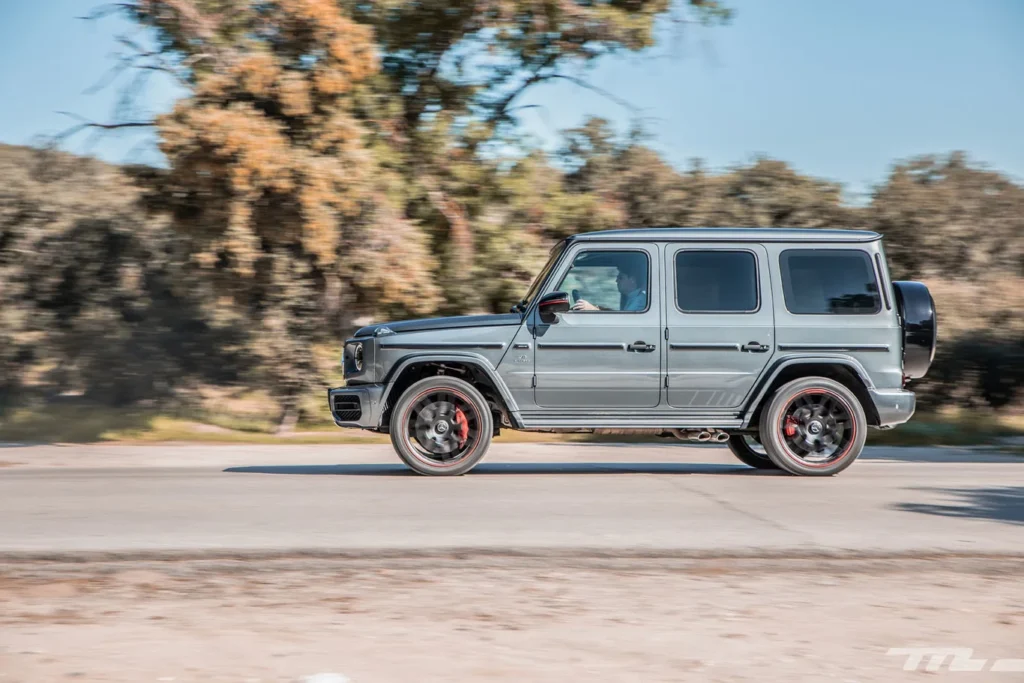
x: 838, y: 89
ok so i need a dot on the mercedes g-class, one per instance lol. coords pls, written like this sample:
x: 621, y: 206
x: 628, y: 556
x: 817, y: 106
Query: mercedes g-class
x: 784, y: 344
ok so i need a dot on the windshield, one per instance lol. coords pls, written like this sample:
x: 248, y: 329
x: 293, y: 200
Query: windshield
x: 556, y: 251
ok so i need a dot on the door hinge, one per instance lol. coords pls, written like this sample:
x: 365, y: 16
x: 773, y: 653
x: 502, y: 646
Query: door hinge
x: 533, y: 382
x: 666, y: 334
x: 666, y: 381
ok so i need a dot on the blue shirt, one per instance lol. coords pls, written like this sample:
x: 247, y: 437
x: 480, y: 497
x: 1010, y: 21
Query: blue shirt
x: 637, y: 301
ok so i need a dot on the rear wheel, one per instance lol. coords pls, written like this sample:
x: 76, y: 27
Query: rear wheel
x: 441, y: 426
x: 813, y: 426
x: 750, y: 451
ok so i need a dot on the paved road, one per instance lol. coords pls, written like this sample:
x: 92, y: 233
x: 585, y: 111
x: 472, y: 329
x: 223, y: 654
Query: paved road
x: 563, y: 498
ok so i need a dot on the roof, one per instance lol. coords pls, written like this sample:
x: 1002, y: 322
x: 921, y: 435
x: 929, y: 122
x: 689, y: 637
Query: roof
x: 727, y: 235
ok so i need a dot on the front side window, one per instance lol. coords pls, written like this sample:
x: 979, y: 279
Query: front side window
x: 608, y: 281
x: 829, y: 281
x: 716, y: 282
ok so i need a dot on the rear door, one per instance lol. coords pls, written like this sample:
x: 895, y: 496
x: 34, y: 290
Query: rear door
x: 720, y: 323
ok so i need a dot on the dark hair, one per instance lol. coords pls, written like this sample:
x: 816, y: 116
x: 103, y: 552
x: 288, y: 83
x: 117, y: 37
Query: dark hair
x: 634, y: 268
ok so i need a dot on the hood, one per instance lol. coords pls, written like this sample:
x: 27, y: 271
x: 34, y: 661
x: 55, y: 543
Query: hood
x: 443, y: 323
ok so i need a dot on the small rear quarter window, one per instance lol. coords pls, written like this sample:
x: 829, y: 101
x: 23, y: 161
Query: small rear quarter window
x: 829, y: 282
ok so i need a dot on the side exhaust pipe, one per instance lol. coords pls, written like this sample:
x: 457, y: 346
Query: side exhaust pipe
x: 700, y: 435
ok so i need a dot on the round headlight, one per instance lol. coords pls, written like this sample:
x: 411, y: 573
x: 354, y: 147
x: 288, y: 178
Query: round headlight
x: 357, y: 357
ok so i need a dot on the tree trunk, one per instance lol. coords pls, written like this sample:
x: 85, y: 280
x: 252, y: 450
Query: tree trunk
x: 289, y: 418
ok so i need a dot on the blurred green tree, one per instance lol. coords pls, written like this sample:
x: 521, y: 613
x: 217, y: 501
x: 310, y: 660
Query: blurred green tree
x: 945, y: 216
x: 95, y: 296
x: 269, y: 175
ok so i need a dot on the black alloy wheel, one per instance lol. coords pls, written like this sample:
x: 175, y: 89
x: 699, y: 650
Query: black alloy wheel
x: 441, y: 426
x: 813, y: 426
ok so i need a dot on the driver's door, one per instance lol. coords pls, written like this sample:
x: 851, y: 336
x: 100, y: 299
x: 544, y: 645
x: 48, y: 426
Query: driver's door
x: 607, y: 358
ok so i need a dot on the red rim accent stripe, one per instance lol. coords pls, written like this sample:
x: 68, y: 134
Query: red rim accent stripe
x: 853, y: 428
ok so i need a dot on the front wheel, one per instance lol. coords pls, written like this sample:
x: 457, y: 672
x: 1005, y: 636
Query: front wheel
x: 441, y: 426
x: 813, y: 426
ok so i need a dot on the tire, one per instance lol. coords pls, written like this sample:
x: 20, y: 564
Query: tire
x: 742, y: 449
x: 427, y: 433
x: 919, y: 321
x: 813, y: 426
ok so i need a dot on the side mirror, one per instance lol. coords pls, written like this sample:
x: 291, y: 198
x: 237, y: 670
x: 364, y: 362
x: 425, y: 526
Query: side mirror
x: 552, y: 304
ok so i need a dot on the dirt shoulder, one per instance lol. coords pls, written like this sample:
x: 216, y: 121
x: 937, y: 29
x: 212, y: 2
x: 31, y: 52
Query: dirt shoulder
x: 500, y: 619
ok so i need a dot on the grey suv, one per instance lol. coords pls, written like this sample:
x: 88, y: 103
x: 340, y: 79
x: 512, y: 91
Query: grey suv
x: 785, y: 344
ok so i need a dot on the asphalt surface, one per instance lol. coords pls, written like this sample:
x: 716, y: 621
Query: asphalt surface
x: 530, y: 498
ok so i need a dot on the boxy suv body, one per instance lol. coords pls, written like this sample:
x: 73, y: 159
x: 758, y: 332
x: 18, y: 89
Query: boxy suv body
x: 785, y: 344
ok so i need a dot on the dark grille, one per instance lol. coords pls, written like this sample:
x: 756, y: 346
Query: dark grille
x: 347, y: 408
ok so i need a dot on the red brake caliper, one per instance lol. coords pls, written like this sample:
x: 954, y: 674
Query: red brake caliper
x: 790, y: 427
x: 463, y: 427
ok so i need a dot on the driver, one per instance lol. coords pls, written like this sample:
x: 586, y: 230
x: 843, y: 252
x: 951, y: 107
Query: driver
x: 628, y: 280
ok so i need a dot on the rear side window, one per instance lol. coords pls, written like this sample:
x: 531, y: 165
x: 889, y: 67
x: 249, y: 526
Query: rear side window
x: 716, y: 282
x: 823, y: 281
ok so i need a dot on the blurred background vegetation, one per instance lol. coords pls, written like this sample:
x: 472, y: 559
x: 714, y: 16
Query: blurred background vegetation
x: 336, y: 162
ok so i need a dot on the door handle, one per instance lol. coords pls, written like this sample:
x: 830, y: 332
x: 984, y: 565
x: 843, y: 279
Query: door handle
x: 754, y: 347
x: 641, y: 347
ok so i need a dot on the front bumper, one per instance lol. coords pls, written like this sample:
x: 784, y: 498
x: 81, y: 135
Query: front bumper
x: 358, y: 406
x: 894, y: 406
